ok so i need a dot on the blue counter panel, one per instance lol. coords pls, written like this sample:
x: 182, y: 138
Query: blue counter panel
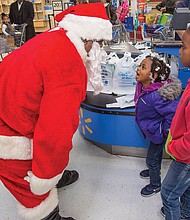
x: 183, y: 74
x: 97, y: 127
x: 127, y: 132
x: 168, y: 50
x: 111, y: 129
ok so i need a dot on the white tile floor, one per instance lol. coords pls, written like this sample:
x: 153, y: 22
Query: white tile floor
x: 108, y: 188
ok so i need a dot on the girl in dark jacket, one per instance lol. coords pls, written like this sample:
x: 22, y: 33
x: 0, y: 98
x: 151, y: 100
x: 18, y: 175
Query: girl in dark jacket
x: 156, y: 104
x: 167, y: 6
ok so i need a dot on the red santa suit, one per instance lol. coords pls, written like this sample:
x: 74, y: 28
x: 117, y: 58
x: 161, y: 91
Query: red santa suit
x: 41, y: 87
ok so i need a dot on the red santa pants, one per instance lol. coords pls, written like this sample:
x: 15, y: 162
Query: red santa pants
x: 12, y: 173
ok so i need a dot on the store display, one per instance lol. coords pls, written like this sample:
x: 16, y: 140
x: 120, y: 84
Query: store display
x: 123, y: 10
x: 39, y: 11
x: 6, y: 5
x: 165, y: 19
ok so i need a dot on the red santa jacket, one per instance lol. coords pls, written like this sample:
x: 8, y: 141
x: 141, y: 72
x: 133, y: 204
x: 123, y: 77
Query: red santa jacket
x: 41, y: 87
x: 179, y: 146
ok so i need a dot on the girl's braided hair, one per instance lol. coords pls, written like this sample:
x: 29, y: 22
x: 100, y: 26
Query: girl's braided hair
x: 159, y: 67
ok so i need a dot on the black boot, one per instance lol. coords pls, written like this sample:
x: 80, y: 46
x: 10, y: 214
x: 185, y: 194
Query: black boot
x: 54, y: 215
x: 68, y: 178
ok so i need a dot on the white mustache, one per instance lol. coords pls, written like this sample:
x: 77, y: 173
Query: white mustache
x: 93, y: 67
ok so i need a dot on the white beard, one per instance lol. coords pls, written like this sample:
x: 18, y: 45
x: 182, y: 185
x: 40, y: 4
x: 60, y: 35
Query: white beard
x: 93, y: 67
x: 92, y: 62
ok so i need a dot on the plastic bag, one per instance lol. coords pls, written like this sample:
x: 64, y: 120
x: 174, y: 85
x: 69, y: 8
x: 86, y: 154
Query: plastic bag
x: 96, y: 56
x: 107, y: 77
x: 141, y: 57
x: 112, y: 58
x: 108, y: 70
x: 124, y: 81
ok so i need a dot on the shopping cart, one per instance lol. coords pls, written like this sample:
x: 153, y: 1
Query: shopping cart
x: 5, y: 48
x: 19, y: 35
x: 159, y: 32
x: 119, y: 34
x: 16, y: 39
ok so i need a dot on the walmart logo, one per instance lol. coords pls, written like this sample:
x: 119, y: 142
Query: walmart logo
x: 84, y: 123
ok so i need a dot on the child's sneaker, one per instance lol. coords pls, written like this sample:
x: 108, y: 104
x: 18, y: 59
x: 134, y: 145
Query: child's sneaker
x: 148, y: 190
x: 164, y: 215
x: 162, y: 212
x: 144, y: 174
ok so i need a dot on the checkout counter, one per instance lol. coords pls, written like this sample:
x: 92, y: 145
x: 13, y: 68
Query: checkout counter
x: 115, y: 129
x: 112, y: 129
x: 121, y: 48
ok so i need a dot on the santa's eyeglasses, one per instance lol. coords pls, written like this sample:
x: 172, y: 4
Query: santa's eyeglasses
x: 98, y: 41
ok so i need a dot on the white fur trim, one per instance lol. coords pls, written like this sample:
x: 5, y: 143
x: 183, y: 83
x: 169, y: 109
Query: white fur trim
x: 54, y: 29
x: 15, y: 147
x: 89, y: 28
x: 76, y: 40
x: 78, y: 44
x: 42, y: 210
x: 41, y: 186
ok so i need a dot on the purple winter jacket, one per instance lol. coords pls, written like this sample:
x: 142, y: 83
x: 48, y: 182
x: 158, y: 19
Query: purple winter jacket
x: 155, y: 108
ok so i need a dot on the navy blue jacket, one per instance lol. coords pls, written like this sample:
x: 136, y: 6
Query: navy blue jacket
x: 183, y: 4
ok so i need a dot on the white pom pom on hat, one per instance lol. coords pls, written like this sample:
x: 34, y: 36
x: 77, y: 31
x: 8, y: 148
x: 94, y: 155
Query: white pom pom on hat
x: 88, y: 21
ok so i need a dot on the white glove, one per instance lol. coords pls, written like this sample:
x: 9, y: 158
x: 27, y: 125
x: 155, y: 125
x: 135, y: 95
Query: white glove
x: 41, y: 186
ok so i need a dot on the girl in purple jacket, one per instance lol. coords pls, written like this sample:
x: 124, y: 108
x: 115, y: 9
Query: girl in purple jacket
x: 156, y: 103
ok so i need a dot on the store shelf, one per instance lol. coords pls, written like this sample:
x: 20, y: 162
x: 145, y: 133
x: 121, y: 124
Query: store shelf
x: 39, y: 12
x: 40, y: 23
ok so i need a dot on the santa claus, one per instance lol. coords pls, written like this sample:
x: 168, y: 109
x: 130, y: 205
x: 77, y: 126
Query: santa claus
x: 41, y: 87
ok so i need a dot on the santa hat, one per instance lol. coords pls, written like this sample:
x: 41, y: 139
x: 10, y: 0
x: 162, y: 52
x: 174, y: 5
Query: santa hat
x: 88, y: 21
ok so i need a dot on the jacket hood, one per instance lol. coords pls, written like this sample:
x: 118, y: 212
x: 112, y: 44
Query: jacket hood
x: 139, y: 91
x: 171, y: 89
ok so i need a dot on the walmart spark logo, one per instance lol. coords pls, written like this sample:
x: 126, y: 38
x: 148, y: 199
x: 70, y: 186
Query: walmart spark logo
x: 85, y: 121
